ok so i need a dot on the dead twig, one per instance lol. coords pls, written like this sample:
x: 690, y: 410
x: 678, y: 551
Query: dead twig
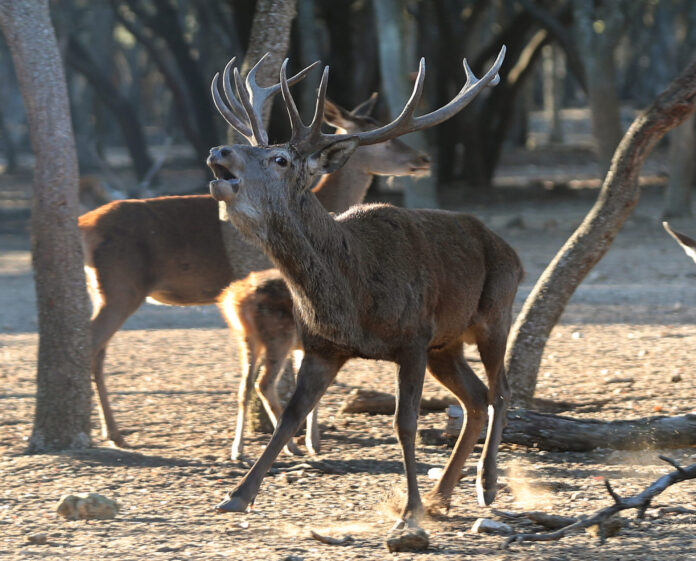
x: 639, y: 502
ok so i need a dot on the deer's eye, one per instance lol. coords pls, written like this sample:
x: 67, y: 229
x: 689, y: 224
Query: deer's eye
x: 282, y: 162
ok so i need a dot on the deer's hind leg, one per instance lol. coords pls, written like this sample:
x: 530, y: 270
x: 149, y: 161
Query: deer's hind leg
x: 449, y: 367
x: 111, y: 309
x: 249, y: 359
x: 267, y: 383
x: 491, y: 345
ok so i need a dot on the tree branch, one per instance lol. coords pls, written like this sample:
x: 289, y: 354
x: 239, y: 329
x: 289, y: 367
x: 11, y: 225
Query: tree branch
x: 639, y: 502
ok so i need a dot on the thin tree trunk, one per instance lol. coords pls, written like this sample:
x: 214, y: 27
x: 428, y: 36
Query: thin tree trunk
x: 682, y: 150
x: 80, y: 59
x: 617, y: 198
x: 394, y: 64
x: 597, y: 32
x: 63, y: 397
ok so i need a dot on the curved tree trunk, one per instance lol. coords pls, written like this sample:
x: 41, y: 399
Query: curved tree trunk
x: 617, y: 198
x: 63, y: 396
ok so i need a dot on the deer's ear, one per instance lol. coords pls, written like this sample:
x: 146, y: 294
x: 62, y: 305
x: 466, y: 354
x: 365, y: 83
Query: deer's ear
x: 335, y: 116
x: 332, y: 157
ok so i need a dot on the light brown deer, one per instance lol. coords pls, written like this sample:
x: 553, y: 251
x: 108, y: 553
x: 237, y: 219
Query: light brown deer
x: 170, y: 249
x: 687, y: 244
x: 380, y: 282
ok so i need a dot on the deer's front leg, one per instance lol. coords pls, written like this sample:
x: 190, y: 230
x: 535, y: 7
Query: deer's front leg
x: 315, y: 375
x: 410, y: 388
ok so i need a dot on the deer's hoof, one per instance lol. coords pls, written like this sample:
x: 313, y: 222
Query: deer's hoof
x: 232, y: 504
x: 486, y: 494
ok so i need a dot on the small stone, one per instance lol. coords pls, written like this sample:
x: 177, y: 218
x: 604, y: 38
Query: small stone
x: 408, y: 539
x: 86, y: 506
x: 676, y: 377
x: 435, y: 473
x: 488, y: 526
x: 40, y: 538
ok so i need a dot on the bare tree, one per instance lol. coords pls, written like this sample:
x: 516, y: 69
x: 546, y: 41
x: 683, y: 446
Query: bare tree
x: 62, y: 416
x: 617, y: 198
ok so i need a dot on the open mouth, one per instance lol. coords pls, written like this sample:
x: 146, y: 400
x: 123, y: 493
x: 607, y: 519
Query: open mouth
x: 221, y: 172
x: 420, y: 171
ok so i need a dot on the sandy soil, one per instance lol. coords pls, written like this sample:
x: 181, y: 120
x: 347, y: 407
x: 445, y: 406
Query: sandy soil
x: 628, y: 334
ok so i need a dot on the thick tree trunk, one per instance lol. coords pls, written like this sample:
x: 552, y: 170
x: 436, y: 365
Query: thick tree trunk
x: 617, y: 198
x: 395, y: 66
x: 63, y: 397
x: 270, y: 33
x: 682, y: 148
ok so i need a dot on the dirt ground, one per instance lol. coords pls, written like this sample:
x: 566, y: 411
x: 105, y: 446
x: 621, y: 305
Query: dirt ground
x: 628, y: 334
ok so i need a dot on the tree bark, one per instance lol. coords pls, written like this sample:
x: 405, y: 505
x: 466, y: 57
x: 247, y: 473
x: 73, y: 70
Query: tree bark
x: 394, y: 64
x: 63, y: 397
x: 592, y: 239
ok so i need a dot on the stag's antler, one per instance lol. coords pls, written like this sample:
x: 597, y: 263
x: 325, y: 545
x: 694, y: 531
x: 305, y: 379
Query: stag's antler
x: 310, y: 138
x: 245, y: 117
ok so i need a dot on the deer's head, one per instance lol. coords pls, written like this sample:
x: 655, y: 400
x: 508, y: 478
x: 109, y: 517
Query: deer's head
x: 256, y: 181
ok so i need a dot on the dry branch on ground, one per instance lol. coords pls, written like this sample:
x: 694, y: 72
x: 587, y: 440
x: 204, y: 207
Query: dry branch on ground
x: 640, y: 502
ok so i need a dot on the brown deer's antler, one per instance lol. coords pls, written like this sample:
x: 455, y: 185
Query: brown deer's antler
x: 310, y: 138
x: 245, y: 117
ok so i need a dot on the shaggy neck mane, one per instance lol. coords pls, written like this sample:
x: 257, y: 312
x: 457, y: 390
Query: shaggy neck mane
x: 312, y: 252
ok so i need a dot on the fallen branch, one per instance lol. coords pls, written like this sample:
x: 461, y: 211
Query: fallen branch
x: 640, y: 502
x: 559, y: 433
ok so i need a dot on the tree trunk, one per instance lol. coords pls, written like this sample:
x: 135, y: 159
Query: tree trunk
x: 597, y: 32
x: 270, y: 33
x: 63, y: 397
x: 617, y: 198
x: 395, y: 66
x: 80, y: 59
x: 682, y: 148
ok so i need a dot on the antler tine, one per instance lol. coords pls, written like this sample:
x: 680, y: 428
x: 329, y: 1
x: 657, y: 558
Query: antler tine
x: 315, y: 126
x: 406, y: 123
x: 255, y: 119
x: 298, y: 127
x: 229, y: 116
x: 235, y: 106
x: 246, y: 117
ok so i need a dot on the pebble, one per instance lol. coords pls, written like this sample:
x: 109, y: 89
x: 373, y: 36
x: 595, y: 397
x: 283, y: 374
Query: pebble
x: 40, y: 538
x: 408, y: 539
x: 488, y: 526
x: 86, y: 506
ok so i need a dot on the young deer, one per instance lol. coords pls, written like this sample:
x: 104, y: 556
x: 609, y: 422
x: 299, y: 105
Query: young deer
x: 171, y: 249
x: 686, y: 243
x: 259, y: 308
x: 408, y: 286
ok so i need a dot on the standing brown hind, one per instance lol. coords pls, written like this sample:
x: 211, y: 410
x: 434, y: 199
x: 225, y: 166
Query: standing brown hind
x: 170, y: 249
x: 409, y: 286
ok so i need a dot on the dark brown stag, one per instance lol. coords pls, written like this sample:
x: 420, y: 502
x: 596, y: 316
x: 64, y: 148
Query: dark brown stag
x: 409, y: 286
x: 170, y: 249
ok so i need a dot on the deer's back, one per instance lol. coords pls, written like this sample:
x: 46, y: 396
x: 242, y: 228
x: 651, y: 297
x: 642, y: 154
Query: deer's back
x: 428, y: 269
x: 170, y: 247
